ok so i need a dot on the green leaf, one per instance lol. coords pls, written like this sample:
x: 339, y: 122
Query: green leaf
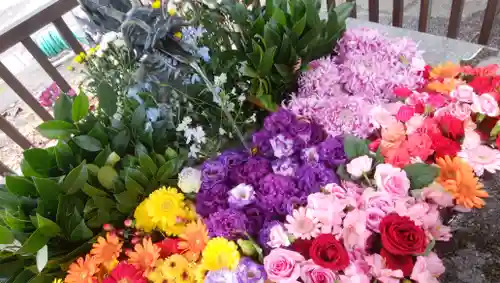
x: 299, y: 26
x: 108, y: 98
x: 343, y: 11
x: 147, y: 163
x: 249, y: 71
x: 23, y: 277
x: 102, y: 157
x: 40, y: 160
x: 138, y: 118
x: 75, y: 180
x: 140, y: 149
x: 80, y: 107
x: 170, y: 153
x: 138, y: 176
x: 62, y: 108
x: 379, y: 158
x: 64, y: 156
x: 56, y: 129
x: 42, y: 257
x: 342, y: 172
x: 10, y: 267
x: 258, y: 25
x: 131, y: 184
x: 167, y: 171
x: 306, y: 39
x: 27, y: 170
x: 48, y: 227
x: 312, y: 14
x: 267, y: 61
x: 35, y: 242
x: 120, y: 142
x: 106, y: 176
x: 20, y: 186
x: 99, y: 133
x: 92, y: 191
x: 81, y: 232
x: 6, y: 236
x: 279, y: 16
x: 127, y: 201
x: 271, y: 37
x: 429, y: 248
x: 49, y: 192
x: 355, y: 147
x: 421, y: 175
x: 283, y: 70
x: 103, y: 203
x: 88, y: 143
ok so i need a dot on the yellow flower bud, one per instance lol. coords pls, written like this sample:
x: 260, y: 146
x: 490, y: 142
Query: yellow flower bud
x: 178, y: 35
x: 171, y: 11
x: 156, y: 4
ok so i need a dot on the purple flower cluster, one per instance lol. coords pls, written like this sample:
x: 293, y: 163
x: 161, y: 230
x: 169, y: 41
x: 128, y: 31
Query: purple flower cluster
x: 338, y: 92
x: 290, y: 160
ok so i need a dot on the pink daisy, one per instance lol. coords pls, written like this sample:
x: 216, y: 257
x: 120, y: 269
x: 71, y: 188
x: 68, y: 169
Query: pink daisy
x: 302, y: 224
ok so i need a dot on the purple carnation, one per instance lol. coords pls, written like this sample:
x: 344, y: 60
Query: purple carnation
x: 331, y: 151
x: 279, y: 121
x: 256, y: 217
x: 231, y: 159
x: 301, y: 129
x: 249, y: 271
x: 273, y: 191
x: 213, y: 171
x: 309, y: 155
x: 251, y: 172
x: 285, y: 166
x: 260, y: 141
x: 231, y: 224
x: 211, y: 198
x: 312, y: 177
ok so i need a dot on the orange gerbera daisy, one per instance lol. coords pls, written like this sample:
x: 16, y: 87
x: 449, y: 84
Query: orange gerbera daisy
x: 444, y: 87
x: 457, y: 177
x: 445, y: 70
x: 107, y: 250
x: 82, y: 270
x: 145, y: 256
x: 193, y: 240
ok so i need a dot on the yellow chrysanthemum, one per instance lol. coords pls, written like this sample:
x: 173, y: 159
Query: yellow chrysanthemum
x: 175, y: 268
x: 171, y: 11
x: 220, y: 253
x: 83, y: 270
x: 58, y: 280
x: 107, y: 250
x: 193, y: 240
x: 156, y: 4
x: 91, y: 51
x: 178, y: 35
x: 166, y: 207
x: 145, y: 256
x: 174, y: 230
x: 142, y: 219
x: 79, y: 59
x: 200, y: 273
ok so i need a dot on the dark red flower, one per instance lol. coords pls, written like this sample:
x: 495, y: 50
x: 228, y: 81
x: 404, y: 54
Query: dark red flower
x: 302, y: 247
x: 481, y: 84
x: 443, y: 146
x: 326, y: 251
x: 168, y: 246
x: 373, y: 146
x: 419, y: 108
x: 395, y: 262
x: 426, y: 72
x: 400, y: 235
x: 451, y: 126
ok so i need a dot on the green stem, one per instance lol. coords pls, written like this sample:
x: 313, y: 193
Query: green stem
x: 228, y: 115
x: 367, y: 179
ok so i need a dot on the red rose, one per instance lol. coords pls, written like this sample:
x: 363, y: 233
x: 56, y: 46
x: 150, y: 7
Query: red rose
x: 373, y: 146
x: 302, y: 247
x: 400, y: 235
x: 168, y: 246
x: 395, y: 262
x: 328, y: 252
x: 452, y: 126
x: 443, y: 146
x: 481, y: 85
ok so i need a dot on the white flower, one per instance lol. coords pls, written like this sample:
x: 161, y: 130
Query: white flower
x: 241, y: 98
x: 189, y: 180
x: 471, y: 140
x: 482, y: 158
x: 222, y: 131
x: 220, y: 80
x: 252, y: 119
x: 194, y: 149
x: 485, y: 104
x: 463, y: 93
x: 153, y: 114
x: 196, y: 134
x: 183, y: 126
x: 359, y: 166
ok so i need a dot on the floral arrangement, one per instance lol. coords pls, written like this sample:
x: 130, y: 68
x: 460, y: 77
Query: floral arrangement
x: 48, y: 97
x: 139, y: 254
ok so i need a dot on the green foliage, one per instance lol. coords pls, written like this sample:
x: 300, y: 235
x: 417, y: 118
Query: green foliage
x: 97, y: 173
x: 274, y: 42
x: 421, y: 175
x: 355, y: 147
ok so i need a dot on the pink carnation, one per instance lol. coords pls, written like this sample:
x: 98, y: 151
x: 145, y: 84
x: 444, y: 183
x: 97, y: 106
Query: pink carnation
x: 427, y: 269
x: 419, y: 145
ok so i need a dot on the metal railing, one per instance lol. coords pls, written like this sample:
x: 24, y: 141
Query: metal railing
x: 21, y: 31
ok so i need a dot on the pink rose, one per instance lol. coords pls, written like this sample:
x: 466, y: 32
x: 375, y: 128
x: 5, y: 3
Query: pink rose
x: 419, y: 145
x: 485, y: 104
x: 283, y: 265
x: 312, y: 273
x: 328, y: 210
x: 463, y: 93
x: 392, y: 180
x: 278, y: 237
x: 381, y: 272
x: 336, y: 190
x: 435, y: 193
x: 373, y: 217
x: 471, y: 140
x: 427, y: 269
x: 381, y: 200
x: 440, y: 232
x: 355, y: 233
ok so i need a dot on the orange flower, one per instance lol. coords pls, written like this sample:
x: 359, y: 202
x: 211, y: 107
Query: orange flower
x: 446, y: 70
x: 82, y: 271
x: 457, y: 177
x: 444, y: 87
x: 193, y: 240
x: 145, y: 256
x: 107, y: 250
